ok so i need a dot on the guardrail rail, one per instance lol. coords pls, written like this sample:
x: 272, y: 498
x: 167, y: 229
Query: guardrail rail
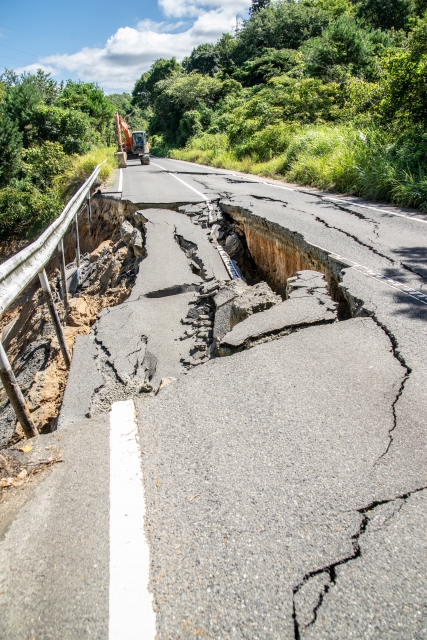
x: 19, y: 271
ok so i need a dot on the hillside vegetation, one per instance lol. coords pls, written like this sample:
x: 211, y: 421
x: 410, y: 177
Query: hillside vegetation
x: 330, y: 93
x: 51, y: 137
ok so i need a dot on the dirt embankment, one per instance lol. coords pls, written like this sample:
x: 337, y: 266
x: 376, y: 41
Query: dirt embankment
x: 108, y: 271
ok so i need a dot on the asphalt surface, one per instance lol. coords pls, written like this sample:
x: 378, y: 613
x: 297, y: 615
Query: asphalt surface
x: 285, y: 484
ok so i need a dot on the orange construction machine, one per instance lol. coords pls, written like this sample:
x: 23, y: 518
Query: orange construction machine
x: 135, y: 143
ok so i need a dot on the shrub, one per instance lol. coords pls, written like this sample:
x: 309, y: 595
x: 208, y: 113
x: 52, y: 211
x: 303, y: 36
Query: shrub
x: 43, y: 163
x: 27, y: 210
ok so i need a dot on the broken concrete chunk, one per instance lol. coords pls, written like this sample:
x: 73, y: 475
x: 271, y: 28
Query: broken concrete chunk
x: 126, y: 230
x: 137, y: 243
x: 306, y: 283
x: 139, y: 217
x: 278, y: 320
x: 229, y: 291
x: 253, y: 300
x: 132, y: 237
x: 210, y: 287
x: 233, y: 246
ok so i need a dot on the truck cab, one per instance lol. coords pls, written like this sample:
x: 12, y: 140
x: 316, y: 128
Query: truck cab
x: 140, y: 146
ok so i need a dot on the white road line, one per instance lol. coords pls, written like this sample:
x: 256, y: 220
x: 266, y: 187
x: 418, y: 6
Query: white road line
x: 326, y: 198
x: 393, y: 284
x: 131, y: 611
x: 199, y: 193
x: 416, y: 295
x: 365, y: 206
x: 120, y: 180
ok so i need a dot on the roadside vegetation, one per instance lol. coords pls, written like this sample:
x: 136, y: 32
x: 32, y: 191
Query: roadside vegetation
x: 329, y: 93
x: 52, y: 135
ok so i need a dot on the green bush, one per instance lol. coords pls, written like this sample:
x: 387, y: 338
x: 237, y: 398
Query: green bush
x: 25, y: 211
x: 88, y: 98
x: 190, y: 125
x: 71, y: 128
x: 44, y: 163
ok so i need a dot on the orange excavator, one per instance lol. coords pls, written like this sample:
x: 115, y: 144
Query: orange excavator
x: 135, y: 143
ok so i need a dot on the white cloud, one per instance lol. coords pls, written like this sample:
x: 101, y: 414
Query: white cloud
x: 32, y: 68
x: 131, y: 51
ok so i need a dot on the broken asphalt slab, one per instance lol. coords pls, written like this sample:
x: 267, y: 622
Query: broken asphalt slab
x: 286, y: 316
x: 256, y: 467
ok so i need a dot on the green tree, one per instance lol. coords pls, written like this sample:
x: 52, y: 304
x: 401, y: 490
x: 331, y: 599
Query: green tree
x: 71, y: 128
x: 405, y: 82
x: 190, y: 125
x: 386, y: 14
x: 136, y: 118
x: 204, y: 59
x: 335, y: 7
x: 344, y: 49
x: 272, y: 62
x: 225, y: 47
x: 284, y: 25
x: 88, y: 98
x: 21, y: 103
x: 144, y: 92
x: 181, y: 93
x: 257, y: 5
x: 10, y: 147
x: 44, y: 162
x: 44, y: 84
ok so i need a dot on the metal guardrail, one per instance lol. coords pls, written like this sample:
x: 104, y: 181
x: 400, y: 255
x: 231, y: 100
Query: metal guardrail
x: 17, y: 273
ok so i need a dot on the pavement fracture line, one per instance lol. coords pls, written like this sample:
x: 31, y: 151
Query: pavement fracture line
x: 131, y: 613
x: 398, y: 286
x: 366, y: 271
x: 120, y: 187
x: 341, y: 201
x: 326, y: 198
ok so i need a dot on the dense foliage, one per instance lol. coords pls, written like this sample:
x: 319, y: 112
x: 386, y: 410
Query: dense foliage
x: 44, y: 126
x: 326, y: 92
x: 331, y: 93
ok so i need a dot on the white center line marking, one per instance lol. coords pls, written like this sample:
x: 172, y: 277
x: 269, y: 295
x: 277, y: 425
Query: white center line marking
x: 120, y: 188
x: 365, y: 206
x: 131, y: 611
x: 199, y: 193
x: 416, y: 295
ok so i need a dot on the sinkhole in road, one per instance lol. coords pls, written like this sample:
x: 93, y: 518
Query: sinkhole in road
x: 265, y: 251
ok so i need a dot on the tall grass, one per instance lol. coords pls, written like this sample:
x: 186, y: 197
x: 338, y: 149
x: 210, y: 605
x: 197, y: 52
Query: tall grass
x: 372, y: 163
x: 81, y: 167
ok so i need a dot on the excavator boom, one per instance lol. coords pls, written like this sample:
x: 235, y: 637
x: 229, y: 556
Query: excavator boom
x: 122, y: 125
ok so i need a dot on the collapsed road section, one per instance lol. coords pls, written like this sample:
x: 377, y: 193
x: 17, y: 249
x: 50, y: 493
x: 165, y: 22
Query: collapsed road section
x: 279, y: 417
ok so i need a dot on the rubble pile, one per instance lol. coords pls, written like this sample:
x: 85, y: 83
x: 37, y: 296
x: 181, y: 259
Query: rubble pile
x: 107, y: 275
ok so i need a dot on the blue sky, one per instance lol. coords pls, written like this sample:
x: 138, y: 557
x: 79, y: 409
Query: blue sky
x: 107, y: 42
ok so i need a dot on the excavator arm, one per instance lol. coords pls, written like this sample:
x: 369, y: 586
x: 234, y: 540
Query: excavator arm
x: 122, y: 126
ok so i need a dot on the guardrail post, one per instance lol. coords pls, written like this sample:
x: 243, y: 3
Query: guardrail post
x: 55, y: 318
x: 15, y: 396
x: 89, y: 213
x: 76, y: 237
x: 63, y: 277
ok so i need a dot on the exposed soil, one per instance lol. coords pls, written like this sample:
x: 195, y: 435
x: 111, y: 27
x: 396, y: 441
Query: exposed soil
x: 108, y: 272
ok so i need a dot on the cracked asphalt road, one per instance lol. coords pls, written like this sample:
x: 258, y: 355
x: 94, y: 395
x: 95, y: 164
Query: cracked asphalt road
x: 285, y: 484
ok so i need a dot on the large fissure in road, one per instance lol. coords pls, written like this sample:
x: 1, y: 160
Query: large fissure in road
x: 111, y: 256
